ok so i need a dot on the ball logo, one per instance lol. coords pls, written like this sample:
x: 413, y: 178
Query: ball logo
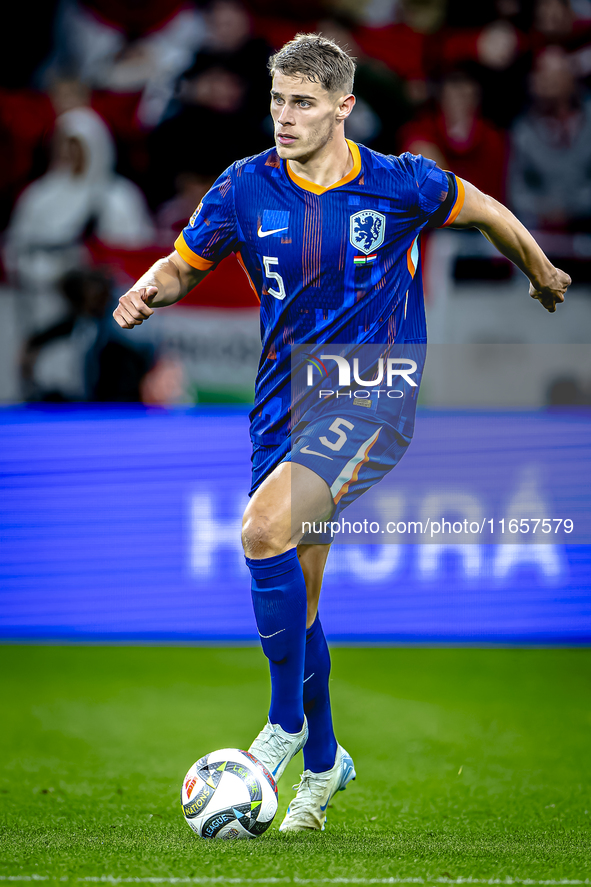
x: 366, y: 230
x: 231, y: 834
x: 189, y: 786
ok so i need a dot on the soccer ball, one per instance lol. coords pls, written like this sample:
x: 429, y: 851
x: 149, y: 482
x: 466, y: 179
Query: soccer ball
x: 229, y: 794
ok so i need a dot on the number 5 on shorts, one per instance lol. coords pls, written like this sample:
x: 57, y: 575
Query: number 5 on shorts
x: 341, y: 435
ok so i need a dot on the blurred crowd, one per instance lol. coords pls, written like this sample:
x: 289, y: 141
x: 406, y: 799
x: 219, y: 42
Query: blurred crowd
x: 119, y: 115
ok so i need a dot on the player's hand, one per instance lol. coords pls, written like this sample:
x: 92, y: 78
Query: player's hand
x: 552, y: 293
x: 133, y: 308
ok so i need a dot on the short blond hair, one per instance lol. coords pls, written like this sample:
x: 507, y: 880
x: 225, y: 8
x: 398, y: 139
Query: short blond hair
x: 317, y: 59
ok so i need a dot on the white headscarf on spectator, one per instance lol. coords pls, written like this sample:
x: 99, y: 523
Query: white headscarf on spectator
x: 53, y: 213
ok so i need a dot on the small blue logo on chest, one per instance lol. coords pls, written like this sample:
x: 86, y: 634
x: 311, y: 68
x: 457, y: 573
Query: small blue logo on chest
x: 367, y: 229
x: 274, y: 223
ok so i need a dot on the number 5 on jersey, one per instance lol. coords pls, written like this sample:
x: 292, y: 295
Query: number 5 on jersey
x: 280, y: 293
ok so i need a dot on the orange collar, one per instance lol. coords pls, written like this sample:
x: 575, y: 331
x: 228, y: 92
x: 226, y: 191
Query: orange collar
x: 307, y: 185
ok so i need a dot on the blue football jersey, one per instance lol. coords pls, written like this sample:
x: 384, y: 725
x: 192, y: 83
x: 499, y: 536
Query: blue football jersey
x: 338, y: 264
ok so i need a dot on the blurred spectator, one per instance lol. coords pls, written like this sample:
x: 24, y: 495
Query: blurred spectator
x: 382, y: 105
x: 458, y: 138
x: 493, y: 37
x: 79, y: 195
x: 172, y: 216
x: 477, y: 15
x: 402, y: 45
x: 222, y: 107
x: 550, y: 179
x: 567, y: 391
x: 95, y: 363
x: 553, y: 20
x: 128, y: 47
x: 280, y: 22
x: 164, y: 384
x: 26, y: 120
x: 232, y: 46
x: 373, y: 13
x: 67, y: 93
x: 556, y: 24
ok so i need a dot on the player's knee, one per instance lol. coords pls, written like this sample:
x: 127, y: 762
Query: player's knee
x: 259, y: 534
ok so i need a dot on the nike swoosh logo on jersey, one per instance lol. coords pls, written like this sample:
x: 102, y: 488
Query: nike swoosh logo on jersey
x: 262, y: 233
x: 271, y: 635
x: 314, y: 453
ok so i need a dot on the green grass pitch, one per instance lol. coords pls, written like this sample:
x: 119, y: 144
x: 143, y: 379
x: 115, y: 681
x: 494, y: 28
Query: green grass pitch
x: 472, y: 764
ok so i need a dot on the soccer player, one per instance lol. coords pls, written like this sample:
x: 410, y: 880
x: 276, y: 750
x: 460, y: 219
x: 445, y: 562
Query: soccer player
x: 328, y: 233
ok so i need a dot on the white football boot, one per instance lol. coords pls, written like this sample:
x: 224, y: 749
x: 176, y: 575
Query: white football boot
x: 308, y: 808
x: 275, y: 748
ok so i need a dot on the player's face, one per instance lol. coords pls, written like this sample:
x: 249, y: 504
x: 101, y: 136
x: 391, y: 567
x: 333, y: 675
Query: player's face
x: 305, y: 115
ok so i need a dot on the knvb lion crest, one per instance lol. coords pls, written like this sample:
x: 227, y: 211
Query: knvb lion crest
x: 367, y: 230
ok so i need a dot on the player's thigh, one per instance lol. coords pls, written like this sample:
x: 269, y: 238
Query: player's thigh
x: 291, y: 495
x: 351, y: 454
x: 313, y: 561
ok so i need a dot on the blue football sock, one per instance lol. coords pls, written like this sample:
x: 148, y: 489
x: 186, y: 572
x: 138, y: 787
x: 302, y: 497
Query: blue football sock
x: 321, y: 747
x: 280, y: 607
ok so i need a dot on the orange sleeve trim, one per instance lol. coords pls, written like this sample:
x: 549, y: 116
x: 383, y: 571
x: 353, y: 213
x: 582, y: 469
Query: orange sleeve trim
x: 189, y: 256
x: 456, y: 209
x: 243, y: 266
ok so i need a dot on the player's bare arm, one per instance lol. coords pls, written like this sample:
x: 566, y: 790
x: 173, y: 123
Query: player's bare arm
x: 166, y: 282
x: 548, y: 284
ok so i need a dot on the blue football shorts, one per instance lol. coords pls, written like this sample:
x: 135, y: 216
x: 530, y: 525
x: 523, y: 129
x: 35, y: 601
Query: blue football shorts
x: 350, y: 453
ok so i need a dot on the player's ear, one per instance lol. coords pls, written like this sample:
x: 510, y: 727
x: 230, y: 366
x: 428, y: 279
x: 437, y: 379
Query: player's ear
x: 346, y: 105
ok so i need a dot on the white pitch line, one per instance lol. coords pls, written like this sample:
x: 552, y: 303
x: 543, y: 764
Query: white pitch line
x: 222, y: 879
